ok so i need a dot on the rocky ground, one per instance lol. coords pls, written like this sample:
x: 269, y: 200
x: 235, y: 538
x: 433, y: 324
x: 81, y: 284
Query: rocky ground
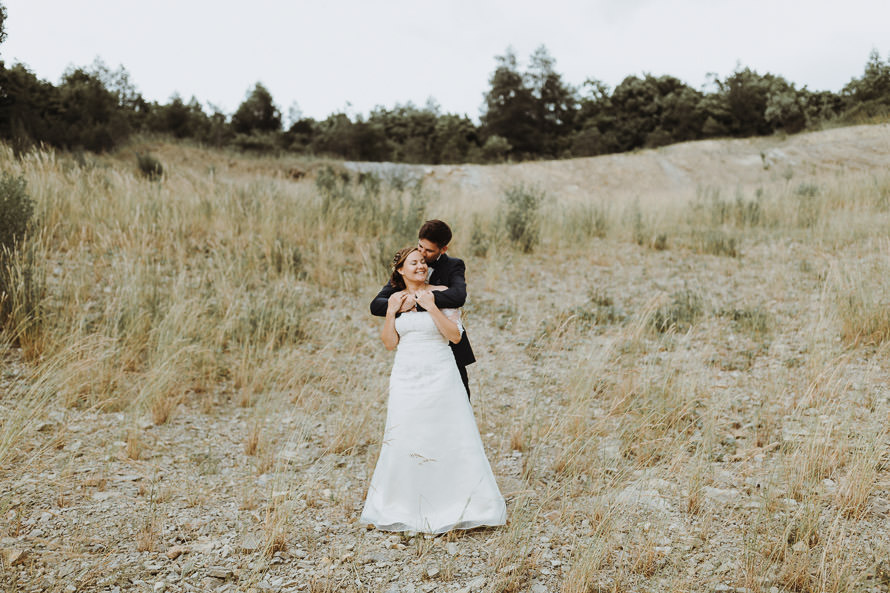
x: 264, y: 493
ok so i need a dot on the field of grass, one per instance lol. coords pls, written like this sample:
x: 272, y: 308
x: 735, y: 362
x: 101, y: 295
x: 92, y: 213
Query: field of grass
x: 680, y: 387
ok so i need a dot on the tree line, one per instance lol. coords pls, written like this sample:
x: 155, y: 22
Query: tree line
x: 527, y: 114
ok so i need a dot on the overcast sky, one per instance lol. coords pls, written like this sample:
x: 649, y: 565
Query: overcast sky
x: 351, y: 55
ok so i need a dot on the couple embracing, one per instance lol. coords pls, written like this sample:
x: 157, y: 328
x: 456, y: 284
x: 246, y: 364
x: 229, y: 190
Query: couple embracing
x: 432, y: 475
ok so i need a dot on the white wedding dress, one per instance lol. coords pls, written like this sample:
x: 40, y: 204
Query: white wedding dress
x: 432, y: 475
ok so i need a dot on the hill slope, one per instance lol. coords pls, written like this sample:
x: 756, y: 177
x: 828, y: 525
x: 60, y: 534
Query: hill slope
x: 679, y: 168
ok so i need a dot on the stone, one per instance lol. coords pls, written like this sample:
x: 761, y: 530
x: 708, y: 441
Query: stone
x: 174, y: 552
x: 432, y: 572
x: 375, y: 557
x: 800, y: 547
x: 220, y: 572
x: 251, y: 543
x: 721, y: 496
x: 476, y: 583
x: 13, y: 556
x: 205, y: 547
x: 651, y: 499
x: 451, y: 548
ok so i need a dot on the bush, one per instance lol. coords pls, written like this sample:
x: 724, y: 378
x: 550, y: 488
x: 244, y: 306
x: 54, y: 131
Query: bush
x: 711, y: 209
x: 21, y: 285
x: 480, y: 239
x: 16, y: 210
x: 150, y: 166
x: 521, y: 216
x: 496, y: 149
x: 715, y: 242
x: 753, y: 320
x: 809, y: 206
x: 586, y: 221
x: 684, y: 310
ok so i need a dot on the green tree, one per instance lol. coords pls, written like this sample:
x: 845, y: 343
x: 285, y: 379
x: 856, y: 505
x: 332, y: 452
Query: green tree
x: 180, y: 119
x: 300, y: 135
x: 510, y: 107
x: 2, y: 23
x: 91, y: 114
x: 455, y: 138
x: 30, y: 109
x: 785, y: 107
x: 556, y: 102
x: 593, y: 120
x: 408, y: 130
x: 337, y: 135
x: 746, y: 94
x: 869, y: 95
x: 258, y: 113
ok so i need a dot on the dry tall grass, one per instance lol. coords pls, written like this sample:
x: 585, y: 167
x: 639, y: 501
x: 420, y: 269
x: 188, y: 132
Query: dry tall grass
x: 676, y: 394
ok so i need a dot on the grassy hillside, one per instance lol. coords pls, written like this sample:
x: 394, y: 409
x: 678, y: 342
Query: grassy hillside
x: 682, y: 377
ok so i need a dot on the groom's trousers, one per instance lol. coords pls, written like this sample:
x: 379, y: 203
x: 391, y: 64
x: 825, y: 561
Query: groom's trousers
x: 464, y: 378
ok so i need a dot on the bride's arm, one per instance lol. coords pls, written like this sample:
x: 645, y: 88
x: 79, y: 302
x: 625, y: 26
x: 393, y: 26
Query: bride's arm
x: 388, y: 334
x: 447, y: 327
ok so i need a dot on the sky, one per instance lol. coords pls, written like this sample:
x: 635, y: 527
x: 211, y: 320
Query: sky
x: 328, y: 56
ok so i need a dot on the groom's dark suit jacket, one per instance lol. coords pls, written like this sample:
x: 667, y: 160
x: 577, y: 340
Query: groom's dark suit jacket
x: 447, y: 271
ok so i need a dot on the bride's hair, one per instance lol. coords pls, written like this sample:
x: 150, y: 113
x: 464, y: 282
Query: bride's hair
x: 398, y: 259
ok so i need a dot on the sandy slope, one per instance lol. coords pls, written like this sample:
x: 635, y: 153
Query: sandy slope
x: 676, y: 168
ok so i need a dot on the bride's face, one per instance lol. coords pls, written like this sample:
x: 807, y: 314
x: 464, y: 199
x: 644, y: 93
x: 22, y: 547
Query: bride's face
x: 414, y: 267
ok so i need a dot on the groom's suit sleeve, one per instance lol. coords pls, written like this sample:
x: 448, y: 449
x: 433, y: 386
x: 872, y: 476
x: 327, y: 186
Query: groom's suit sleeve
x: 456, y: 294
x: 381, y: 301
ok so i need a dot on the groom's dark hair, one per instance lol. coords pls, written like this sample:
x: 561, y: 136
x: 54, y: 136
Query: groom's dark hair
x: 436, y: 231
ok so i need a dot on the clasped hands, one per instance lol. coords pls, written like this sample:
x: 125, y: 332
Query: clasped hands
x: 405, y: 300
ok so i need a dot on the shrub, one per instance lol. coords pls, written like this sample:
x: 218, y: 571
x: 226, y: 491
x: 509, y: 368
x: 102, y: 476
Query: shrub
x: 684, y: 310
x: 521, y: 205
x: 586, y: 221
x: 809, y: 207
x: 263, y: 143
x: 16, y: 210
x: 865, y: 321
x: 21, y: 286
x: 496, y: 149
x: 753, y: 320
x: 710, y: 209
x: 643, y: 235
x: 150, y: 166
x: 480, y: 239
x: 715, y: 242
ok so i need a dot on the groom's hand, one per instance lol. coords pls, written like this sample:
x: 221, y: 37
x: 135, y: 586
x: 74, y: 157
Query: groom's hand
x: 425, y: 299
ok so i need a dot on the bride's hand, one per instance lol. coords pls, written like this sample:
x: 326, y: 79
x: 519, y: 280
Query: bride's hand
x: 425, y: 299
x: 397, y: 302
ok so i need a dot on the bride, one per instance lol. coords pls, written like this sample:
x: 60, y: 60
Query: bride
x: 432, y: 475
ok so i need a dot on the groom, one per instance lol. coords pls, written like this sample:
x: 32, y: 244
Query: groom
x: 432, y: 243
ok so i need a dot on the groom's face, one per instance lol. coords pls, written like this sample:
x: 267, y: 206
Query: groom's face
x: 429, y: 250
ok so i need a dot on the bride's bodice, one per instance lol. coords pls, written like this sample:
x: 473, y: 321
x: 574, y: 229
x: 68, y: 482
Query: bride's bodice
x: 417, y: 327
x: 419, y: 338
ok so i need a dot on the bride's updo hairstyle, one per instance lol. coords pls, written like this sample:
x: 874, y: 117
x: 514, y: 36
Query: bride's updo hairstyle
x: 398, y: 261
